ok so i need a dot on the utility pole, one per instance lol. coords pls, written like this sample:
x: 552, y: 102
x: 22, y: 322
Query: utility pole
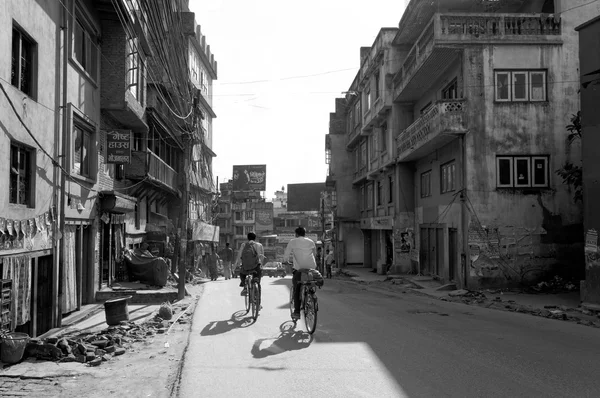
x: 322, y: 265
x: 183, y: 216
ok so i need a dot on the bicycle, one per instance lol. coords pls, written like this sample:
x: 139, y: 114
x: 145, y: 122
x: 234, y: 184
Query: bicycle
x: 308, y: 301
x: 253, y: 295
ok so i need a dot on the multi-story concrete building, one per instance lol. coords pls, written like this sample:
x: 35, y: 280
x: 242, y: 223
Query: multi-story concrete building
x: 279, y: 202
x: 32, y: 125
x: 224, y: 214
x: 480, y: 97
x: 589, y: 56
x: 80, y: 99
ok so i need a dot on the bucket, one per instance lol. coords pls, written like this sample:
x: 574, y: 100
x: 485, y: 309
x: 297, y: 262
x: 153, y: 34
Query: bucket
x: 116, y: 310
x: 12, y: 347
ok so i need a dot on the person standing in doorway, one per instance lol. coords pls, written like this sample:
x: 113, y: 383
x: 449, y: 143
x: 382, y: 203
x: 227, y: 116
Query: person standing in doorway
x: 227, y: 257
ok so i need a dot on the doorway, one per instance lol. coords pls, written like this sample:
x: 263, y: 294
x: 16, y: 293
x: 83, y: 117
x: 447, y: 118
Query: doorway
x: 432, y: 250
x: 452, y: 250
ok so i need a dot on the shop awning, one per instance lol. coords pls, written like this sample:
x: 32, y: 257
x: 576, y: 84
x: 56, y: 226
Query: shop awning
x: 205, y: 232
x: 116, y: 202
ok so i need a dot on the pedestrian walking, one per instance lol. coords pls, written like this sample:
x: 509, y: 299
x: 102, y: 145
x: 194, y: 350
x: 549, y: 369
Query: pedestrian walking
x: 227, y: 257
x: 329, y: 260
x: 213, y: 259
x: 318, y: 260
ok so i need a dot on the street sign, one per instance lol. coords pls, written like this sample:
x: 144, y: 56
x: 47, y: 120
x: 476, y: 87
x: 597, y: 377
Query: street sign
x: 118, y: 146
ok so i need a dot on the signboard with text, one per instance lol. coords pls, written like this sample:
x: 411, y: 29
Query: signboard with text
x: 118, y: 146
x: 250, y: 177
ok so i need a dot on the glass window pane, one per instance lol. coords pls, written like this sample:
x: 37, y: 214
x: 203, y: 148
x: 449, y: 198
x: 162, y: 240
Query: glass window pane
x: 78, y: 44
x: 522, y: 172
x: 538, y: 86
x: 502, y: 86
x: 540, y: 172
x: 504, y: 172
x: 77, y: 144
x: 520, y: 86
x: 85, y: 160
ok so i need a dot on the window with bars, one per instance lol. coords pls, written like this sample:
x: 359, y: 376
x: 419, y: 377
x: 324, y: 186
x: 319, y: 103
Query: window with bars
x: 22, y: 72
x: 85, y: 51
x: 379, y: 193
x: 248, y: 215
x: 21, y: 185
x: 239, y: 230
x: 390, y: 188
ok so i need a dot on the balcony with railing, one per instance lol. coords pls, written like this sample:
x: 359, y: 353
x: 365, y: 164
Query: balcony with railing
x: 446, y: 34
x: 157, y: 170
x: 435, y: 128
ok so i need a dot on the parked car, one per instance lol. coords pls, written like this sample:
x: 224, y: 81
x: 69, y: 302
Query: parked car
x: 273, y: 269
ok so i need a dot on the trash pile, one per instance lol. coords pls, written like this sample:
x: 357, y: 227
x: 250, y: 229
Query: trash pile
x: 93, y: 349
x: 555, y: 285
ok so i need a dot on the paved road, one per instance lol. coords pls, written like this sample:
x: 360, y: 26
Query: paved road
x: 372, y: 345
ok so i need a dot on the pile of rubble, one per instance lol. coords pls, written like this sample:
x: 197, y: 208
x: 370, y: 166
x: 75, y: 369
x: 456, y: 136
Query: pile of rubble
x: 94, y: 348
x: 579, y: 315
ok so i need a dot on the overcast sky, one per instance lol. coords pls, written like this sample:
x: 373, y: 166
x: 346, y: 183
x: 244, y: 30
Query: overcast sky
x: 280, y: 68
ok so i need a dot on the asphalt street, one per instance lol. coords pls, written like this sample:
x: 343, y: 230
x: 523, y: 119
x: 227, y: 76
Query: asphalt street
x: 369, y: 344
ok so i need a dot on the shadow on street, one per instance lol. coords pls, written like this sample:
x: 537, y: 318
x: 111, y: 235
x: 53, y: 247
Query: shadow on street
x: 237, y: 320
x: 288, y: 340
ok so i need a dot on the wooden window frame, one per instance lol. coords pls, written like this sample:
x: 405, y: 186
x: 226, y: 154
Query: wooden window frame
x: 447, y: 183
x: 19, y: 173
x: 426, y: 177
x: 514, y: 88
x: 511, y: 166
x: 21, y: 37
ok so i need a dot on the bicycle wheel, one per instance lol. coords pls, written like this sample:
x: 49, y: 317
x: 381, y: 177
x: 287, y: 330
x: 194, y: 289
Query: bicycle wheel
x: 247, y: 296
x: 255, y: 300
x: 310, y: 312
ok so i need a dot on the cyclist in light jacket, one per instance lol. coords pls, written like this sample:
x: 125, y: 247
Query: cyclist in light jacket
x: 303, y: 252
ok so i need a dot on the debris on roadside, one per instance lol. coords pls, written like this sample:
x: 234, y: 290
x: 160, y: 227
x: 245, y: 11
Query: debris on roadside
x: 93, y: 349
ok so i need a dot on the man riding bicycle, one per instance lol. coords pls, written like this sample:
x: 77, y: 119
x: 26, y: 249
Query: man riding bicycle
x: 250, y: 256
x: 303, y: 251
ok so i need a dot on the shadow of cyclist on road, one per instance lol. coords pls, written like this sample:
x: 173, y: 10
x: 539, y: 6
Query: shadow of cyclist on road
x: 237, y: 320
x: 288, y: 340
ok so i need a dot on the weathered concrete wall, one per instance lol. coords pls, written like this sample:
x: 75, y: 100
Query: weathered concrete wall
x: 41, y: 21
x: 518, y: 234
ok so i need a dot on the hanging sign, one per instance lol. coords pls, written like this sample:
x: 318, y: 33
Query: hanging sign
x: 118, y: 146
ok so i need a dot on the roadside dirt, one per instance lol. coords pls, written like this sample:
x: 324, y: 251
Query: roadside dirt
x: 149, y: 368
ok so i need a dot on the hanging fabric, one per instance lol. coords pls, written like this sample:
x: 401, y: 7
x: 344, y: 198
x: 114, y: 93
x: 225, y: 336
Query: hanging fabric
x: 69, y: 280
x: 18, y: 269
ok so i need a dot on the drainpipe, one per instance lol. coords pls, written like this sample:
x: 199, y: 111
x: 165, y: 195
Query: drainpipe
x: 464, y: 256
